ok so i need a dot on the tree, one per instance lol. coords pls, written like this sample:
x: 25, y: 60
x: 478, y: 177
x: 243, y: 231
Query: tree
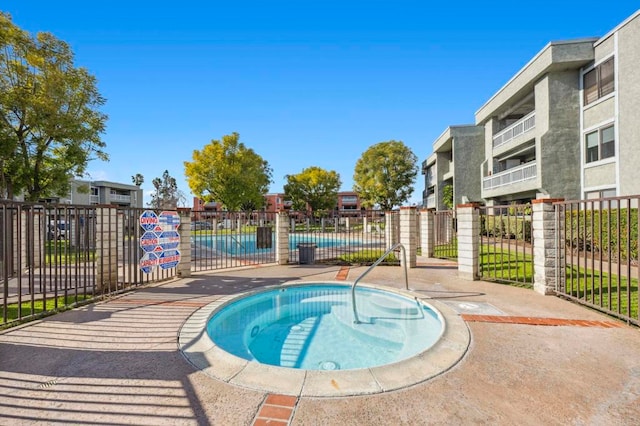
x: 385, y: 174
x: 447, y: 196
x: 167, y: 195
x: 314, y: 187
x: 229, y: 173
x: 137, y: 179
x: 50, y: 125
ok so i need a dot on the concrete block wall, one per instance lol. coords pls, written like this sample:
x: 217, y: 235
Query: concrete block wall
x: 409, y: 234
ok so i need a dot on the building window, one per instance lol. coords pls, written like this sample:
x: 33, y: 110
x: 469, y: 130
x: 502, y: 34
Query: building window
x: 600, y: 144
x: 598, y: 82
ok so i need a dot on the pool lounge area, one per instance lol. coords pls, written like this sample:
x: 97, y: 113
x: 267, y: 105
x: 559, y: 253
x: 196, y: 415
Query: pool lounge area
x: 529, y: 360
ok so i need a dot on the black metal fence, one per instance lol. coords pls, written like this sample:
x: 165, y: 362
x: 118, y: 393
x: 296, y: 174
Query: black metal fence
x: 354, y: 236
x: 54, y: 256
x: 506, y: 244
x: 597, y: 254
x: 231, y: 239
x: 445, y: 239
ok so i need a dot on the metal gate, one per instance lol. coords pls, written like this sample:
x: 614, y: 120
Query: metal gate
x: 222, y: 240
x: 445, y: 239
x: 597, y: 254
x: 506, y: 244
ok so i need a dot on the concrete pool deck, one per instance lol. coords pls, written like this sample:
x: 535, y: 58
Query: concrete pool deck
x: 532, y: 359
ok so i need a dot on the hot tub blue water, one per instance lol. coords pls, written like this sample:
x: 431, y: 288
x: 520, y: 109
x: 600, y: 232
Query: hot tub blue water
x: 311, y: 327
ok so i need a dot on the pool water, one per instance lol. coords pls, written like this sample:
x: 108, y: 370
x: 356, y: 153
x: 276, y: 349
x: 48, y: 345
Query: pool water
x: 246, y: 243
x: 311, y: 327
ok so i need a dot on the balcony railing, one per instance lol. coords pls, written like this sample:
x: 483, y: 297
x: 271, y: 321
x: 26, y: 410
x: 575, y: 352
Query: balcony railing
x: 518, y: 128
x: 431, y: 201
x: 515, y: 174
x: 95, y: 199
x: 121, y: 198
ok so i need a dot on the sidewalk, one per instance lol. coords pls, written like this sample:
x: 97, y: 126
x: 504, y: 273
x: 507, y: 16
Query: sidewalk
x: 118, y: 362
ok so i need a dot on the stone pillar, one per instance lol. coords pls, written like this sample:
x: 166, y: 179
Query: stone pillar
x: 427, y: 232
x: 282, y: 238
x: 409, y: 234
x: 184, y: 267
x: 543, y: 233
x: 390, y: 229
x: 468, y: 217
x: 106, y: 249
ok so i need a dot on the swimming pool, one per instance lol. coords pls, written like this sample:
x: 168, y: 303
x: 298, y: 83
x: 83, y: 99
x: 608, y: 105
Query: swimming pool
x: 246, y: 243
x: 312, y: 327
x: 199, y: 349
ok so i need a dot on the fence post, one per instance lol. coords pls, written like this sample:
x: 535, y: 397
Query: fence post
x: 543, y: 232
x: 184, y: 267
x: 106, y: 249
x: 468, y: 216
x: 409, y: 234
x: 282, y: 238
x: 390, y: 230
x: 426, y: 232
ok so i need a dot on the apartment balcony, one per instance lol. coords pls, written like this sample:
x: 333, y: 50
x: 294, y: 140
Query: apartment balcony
x: 119, y: 198
x: 431, y: 201
x: 449, y: 173
x: 521, y: 174
x: 95, y: 199
x: 429, y: 181
x: 515, y: 134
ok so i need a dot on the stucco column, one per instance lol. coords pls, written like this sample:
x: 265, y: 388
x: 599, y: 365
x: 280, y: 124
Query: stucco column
x: 282, y: 238
x: 545, y: 261
x: 184, y: 230
x: 426, y: 232
x: 106, y: 249
x: 468, y: 217
x: 409, y: 234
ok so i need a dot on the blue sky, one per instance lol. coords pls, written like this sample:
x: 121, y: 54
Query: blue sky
x: 304, y: 83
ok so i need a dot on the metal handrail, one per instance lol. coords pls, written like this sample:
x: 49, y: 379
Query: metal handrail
x: 356, y: 320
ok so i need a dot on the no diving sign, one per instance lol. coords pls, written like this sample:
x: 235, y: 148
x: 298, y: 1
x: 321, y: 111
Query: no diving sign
x: 160, y: 240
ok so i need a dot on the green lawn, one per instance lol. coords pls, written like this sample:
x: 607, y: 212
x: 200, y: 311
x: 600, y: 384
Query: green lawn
x: 502, y: 266
x: 62, y: 253
x: 610, y: 292
x: 39, y: 307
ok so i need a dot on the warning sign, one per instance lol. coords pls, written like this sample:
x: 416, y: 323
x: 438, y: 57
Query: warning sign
x: 160, y: 240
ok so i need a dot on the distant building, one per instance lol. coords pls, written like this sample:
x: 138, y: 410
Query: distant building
x: 457, y: 153
x: 347, y: 202
x: 101, y: 192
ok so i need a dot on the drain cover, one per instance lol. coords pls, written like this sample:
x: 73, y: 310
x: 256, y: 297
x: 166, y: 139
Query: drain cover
x: 476, y: 308
x: 328, y: 365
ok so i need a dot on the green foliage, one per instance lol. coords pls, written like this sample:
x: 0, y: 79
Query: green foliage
x: 167, y: 194
x: 385, y: 174
x: 610, y: 292
x: 603, y: 231
x: 137, y: 179
x: 228, y: 172
x: 52, y: 305
x: 504, y: 266
x: 59, y: 252
x: 314, y: 187
x: 50, y: 123
x: 503, y: 226
x: 367, y: 256
x: 447, y: 196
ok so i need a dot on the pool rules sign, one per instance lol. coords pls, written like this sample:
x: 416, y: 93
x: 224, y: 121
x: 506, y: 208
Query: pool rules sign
x: 159, y: 241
